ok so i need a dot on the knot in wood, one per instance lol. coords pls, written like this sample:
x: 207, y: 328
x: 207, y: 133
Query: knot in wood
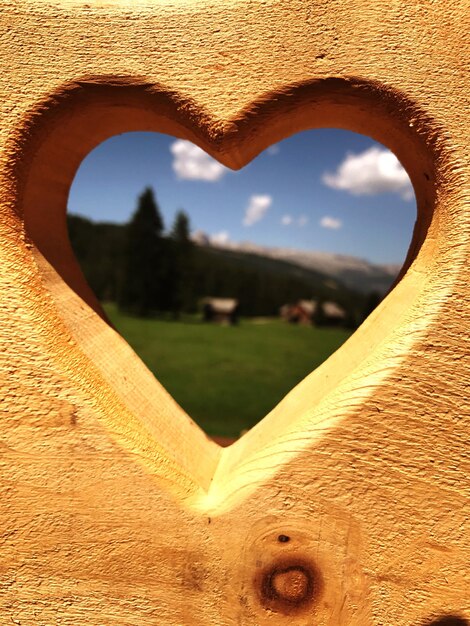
x: 291, y: 585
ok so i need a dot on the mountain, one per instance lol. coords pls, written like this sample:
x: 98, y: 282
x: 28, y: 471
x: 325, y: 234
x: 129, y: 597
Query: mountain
x: 355, y: 273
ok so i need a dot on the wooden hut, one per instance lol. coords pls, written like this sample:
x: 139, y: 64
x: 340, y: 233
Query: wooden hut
x: 307, y: 312
x: 220, y: 310
x: 301, y: 312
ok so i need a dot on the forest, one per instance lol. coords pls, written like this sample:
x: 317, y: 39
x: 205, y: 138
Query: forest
x: 148, y: 270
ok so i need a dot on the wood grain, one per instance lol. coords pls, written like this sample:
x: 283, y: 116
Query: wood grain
x: 349, y: 503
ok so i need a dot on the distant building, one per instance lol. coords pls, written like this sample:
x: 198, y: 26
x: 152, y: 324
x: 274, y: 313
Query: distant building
x: 300, y: 312
x: 306, y: 312
x: 220, y: 310
x: 333, y: 314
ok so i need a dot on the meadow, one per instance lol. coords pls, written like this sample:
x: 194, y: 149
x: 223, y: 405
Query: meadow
x: 227, y: 378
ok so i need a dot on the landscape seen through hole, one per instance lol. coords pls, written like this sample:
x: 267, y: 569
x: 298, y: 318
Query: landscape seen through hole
x: 232, y: 286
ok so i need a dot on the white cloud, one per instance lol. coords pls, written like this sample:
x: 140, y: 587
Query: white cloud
x: 273, y: 150
x: 256, y: 209
x: 330, y: 222
x: 220, y: 238
x: 371, y: 172
x: 288, y: 220
x: 192, y: 163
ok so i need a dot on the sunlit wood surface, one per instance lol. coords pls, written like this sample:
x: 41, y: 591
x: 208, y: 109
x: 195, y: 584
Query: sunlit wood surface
x: 349, y: 503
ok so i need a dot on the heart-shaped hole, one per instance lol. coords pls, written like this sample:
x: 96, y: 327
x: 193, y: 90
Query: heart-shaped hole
x: 295, y: 250
x: 53, y: 141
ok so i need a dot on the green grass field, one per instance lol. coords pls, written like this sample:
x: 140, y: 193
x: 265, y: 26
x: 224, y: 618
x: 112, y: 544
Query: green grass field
x: 227, y: 378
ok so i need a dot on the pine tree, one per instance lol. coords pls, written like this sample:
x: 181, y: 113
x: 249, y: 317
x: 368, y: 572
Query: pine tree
x: 141, y: 291
x: 180, y: 231
x: 182, y: 274
x: 319, y: 317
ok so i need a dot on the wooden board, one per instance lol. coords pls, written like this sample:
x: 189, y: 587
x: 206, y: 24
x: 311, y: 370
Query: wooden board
x: 349, y: 503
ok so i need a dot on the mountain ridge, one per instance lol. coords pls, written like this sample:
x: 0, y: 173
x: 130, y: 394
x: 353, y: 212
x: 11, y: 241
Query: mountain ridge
x: 354, y: 272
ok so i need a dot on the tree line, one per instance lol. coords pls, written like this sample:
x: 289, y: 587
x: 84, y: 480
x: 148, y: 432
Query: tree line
x: 148, y: 271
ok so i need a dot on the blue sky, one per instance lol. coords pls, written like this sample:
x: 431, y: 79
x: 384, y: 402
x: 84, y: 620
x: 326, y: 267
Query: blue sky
x: 329, y: 190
